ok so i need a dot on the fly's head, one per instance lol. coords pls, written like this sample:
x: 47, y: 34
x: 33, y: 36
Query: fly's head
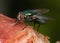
x: 20, y: 17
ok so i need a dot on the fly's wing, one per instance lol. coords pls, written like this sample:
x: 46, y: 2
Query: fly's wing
x: 43, y: 19
x: 43, y: 11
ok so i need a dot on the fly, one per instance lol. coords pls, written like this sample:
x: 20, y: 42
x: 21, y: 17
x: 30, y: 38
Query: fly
x: 35, y: 16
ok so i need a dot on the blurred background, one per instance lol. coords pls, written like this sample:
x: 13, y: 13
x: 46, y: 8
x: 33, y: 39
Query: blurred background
x: 51, y: 28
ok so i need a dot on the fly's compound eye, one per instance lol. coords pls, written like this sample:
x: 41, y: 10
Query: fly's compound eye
x: 20, y: 17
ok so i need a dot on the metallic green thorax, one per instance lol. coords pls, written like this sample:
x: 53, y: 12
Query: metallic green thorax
x: 29, y: 12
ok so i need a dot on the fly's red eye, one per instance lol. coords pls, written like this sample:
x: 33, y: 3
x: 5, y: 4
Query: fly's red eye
x: 22, y: 16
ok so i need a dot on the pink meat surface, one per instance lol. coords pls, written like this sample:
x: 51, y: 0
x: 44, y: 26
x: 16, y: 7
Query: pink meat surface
x: 10, y: 32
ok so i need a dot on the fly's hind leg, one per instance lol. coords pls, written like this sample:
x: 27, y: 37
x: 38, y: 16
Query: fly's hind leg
x: 34, y: 25
x: 38, y: 26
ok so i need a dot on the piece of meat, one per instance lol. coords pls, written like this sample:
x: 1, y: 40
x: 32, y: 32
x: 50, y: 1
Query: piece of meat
x: 10, y: 32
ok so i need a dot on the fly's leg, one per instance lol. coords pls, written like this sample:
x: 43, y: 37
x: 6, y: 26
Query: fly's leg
x: 38, y: 26
x: 34, y: 25
x: 25, y: 26
x: 17, y: 22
